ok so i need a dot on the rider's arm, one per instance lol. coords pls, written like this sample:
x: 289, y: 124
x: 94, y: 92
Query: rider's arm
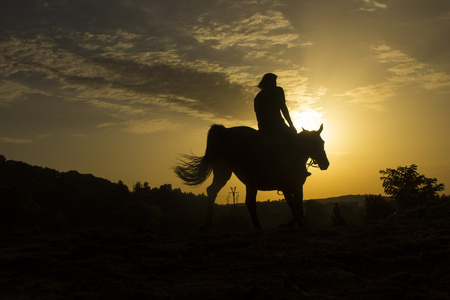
x: 286, y: 115
x: 285, y: 110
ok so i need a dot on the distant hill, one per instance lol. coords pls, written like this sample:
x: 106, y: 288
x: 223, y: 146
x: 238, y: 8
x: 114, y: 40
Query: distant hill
x: 22, y: 175
x: 32, y: 195
x: 358, y: 199
x: 43, y: 197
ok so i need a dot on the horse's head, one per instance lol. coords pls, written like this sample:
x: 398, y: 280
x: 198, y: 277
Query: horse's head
x: 314, y: 146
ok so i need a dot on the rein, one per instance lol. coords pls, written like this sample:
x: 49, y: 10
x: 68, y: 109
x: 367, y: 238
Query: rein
x: 312, y: 163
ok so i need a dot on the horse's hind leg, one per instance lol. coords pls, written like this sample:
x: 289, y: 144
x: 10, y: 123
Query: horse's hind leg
x: 250, y: 201
x: 290, y: 201
x: 221, y: 176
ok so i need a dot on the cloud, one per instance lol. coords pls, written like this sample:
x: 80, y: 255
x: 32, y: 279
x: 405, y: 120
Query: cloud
x: 371, y: 96
x: 8, y: 140
x: 403, y: 70
x: 148, y: 126
x: 407, y: 70
x: 10, y: 91
x: 142, y: 126
x: 115, y: 107
x: 372, y: 5
x: 263, y: 32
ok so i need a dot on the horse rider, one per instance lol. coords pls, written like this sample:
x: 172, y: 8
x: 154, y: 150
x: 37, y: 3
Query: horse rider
x: 270, y: 104
x: 270, y: 108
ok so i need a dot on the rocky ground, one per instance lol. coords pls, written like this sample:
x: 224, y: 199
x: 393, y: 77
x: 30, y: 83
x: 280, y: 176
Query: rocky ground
x: 393, y: 260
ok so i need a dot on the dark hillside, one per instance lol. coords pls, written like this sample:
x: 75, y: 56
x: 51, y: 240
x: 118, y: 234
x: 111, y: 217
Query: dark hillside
x: 43, y: 197
x: 356, y: 199
x: 32, y: 195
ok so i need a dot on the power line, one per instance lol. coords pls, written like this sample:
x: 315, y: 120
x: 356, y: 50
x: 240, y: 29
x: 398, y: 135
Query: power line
x: 235, y: 197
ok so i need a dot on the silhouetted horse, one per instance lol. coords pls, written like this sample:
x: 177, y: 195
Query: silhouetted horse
x: 261, y: 162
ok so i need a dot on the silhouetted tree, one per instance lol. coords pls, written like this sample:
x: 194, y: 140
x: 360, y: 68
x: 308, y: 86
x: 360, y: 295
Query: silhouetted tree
x: 408, y: 187
x: 141, y: 188
x: 137, y: 187
x: 146, y: 188
x: 166, y: 188
x: 121, y: 187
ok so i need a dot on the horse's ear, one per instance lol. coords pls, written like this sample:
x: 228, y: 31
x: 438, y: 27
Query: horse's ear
x: 320, y: 129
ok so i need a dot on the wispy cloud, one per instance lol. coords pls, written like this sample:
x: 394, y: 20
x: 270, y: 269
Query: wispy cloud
x: 403, y: 70
x: 11, y: 91
x: 371, y: 96
x: 258, y: 31
x: 8, y: 140
x: 372, y: 5
x: 408, y: 70
x: 142, y: 126
x: 127, y: 109
x: 149, y: 126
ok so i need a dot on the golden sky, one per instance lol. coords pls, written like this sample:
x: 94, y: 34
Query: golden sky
x: 120, y: 88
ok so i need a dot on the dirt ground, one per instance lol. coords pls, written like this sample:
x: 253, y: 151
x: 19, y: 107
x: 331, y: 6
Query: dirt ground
x: 396, y: 260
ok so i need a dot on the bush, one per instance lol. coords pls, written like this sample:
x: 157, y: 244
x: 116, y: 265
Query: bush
x: 378, y: 208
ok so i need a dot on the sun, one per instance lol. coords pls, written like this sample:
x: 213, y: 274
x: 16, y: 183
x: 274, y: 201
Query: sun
x: 309, y: 119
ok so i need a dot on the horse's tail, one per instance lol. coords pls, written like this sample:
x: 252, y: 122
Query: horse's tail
x: 194, y: 170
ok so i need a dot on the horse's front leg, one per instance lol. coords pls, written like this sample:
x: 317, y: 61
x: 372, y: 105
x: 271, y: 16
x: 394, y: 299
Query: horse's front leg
x: 298, y: 199
x: 250, y: 201
x: 295, y: 202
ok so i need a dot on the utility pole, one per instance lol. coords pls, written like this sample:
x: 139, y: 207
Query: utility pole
x: 234, y: 194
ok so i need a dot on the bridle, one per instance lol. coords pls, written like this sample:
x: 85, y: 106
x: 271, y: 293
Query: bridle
x: 312, y: 163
